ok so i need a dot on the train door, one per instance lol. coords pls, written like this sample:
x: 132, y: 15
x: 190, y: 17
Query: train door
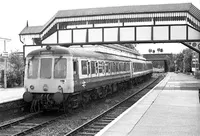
x: 131, y: 69
x: 89, y: 69
x: 93, y: 68
x: 75, y: 71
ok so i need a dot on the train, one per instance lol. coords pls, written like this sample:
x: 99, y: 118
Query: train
x: 57, y: 77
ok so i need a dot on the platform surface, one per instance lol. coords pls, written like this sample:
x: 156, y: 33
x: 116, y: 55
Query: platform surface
x: 172, y: 108
x: 11, y: 94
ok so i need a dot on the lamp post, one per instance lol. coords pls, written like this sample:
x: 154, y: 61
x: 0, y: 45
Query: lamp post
x: 195, y: 63
x: 175, y: 66
x: 5, y: 55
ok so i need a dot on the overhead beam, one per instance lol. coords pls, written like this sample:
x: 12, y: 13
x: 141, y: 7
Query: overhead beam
x: 126, y: 34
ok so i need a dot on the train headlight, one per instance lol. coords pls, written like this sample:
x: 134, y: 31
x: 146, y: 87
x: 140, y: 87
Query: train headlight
x: 45, y: 87
x: 31, y: 87
x: 60, y: 88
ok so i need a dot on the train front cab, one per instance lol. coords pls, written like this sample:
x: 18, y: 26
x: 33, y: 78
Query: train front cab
x: 48, y: 78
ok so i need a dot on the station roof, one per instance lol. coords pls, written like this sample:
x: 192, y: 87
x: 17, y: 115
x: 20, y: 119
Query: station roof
x: 32, y: 30
x: 158, y: 8
x: 126, y: 9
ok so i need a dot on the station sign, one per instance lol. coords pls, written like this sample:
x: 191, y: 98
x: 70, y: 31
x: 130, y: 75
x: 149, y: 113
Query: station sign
x: 1, y: 60
x: 195, y: 62
x: 5, y: 54
x: 194, y: 59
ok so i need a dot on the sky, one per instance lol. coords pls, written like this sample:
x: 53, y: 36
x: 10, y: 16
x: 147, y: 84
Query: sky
x: 15, y: 13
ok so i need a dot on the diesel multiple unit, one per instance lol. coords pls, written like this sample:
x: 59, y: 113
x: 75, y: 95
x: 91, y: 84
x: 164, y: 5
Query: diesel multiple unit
x: 68, y: 77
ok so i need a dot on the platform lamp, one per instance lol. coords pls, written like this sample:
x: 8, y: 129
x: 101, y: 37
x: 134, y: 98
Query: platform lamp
x: 195, y: 62
x: 175, y: 65
x: 5, y: 55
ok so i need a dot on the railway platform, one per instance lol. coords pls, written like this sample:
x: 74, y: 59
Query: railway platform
x: 11, y: 94
x: 171, y: 108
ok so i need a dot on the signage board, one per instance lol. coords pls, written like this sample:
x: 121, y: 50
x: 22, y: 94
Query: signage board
x: 5, y: 54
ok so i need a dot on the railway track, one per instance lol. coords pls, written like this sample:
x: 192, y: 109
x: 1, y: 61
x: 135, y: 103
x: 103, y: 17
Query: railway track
x: 28, y: 123
x: 10, y: 109
x: 93, y: 126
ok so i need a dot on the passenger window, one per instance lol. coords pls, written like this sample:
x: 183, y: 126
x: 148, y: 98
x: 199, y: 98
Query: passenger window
x: 88, y: 68
x: 96, y: 67
x: 135, y: 67
x: 120, y: 67
x: 117, y: 66
x: 113, y: 67
x: 140, y: 66
x: 84, y: 67
x: 104, y: 68
x: 92, y: 67
x: 125, y: 66
x: 100, y: 67
x: 107, y: 67
x: 128, y: 67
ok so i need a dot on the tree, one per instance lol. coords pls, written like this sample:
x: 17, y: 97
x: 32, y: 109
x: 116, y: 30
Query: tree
x: 150, y: 50
x: 179, y: 61
x: 15, y: 69
x: 153, y: 51
x: 187, y: 60
x: 158, y: 50
x: 161, y: 50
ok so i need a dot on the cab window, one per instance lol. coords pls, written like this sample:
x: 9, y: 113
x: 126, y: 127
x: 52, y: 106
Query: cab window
x: 33, y: 68
x: 46, y: 68
x: 60, y: 68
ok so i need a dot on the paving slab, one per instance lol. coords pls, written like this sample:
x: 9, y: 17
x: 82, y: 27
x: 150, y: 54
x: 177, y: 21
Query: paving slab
x: 11, y: 94
x: 172, y: 108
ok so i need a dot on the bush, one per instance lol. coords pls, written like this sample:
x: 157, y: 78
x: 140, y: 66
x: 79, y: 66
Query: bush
x: 10, y: 78
x: 197, y: 74
x: 14, y: 78
x: 15, y: 70
x: 171, y: 68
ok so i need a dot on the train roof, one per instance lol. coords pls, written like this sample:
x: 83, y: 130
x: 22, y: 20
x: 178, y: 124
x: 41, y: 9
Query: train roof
x: 77, y: 52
